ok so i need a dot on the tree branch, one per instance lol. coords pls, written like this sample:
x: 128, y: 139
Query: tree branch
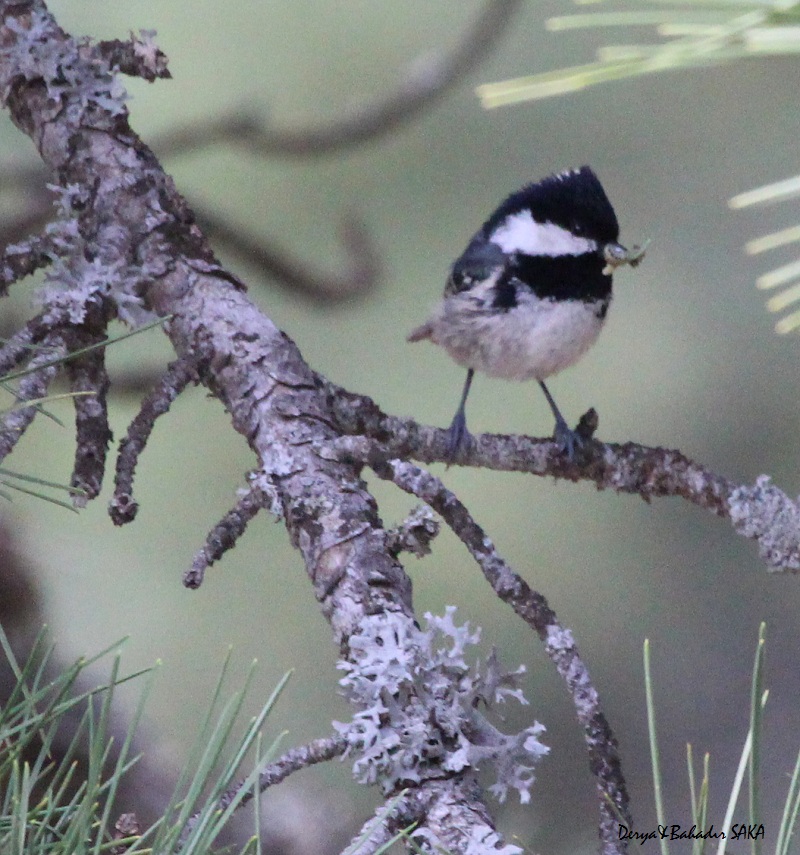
x: 109, y: 177
x: 88, y: 374
x: 179, y: 374
x: 260, y: 493
x: 302, y: 757
x: 18, y: 348
x: 532, y: 607
x: 139, y: 56
x: 20, y: 260
x: 761, y: 512
x: 32, y: 387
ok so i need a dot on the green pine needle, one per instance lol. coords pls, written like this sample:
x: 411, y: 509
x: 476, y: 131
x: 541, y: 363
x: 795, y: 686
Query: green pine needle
x: 45, y: 810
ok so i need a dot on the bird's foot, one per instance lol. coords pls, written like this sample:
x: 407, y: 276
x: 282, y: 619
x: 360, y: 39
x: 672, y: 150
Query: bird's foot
x: 457, y: 437
x: 570, y: 441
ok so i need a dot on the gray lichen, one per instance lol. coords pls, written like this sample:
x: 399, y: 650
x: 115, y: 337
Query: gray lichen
x: 420, y: 703
x: 62, y: 65
x: 766, y: 514
x: 415, y: 533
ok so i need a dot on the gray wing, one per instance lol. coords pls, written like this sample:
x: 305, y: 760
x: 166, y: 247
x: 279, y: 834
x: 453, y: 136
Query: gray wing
x: 479, y: 261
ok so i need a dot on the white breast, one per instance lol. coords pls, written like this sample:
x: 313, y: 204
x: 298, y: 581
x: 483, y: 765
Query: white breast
x: 531, y: 341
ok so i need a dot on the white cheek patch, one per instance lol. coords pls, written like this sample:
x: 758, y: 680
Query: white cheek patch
x: 521, y: 233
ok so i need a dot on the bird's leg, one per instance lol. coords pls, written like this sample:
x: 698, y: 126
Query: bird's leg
x: 563, y: 434
x: 457, y: 432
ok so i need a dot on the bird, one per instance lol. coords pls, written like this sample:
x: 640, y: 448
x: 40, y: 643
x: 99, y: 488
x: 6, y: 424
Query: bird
x: 530, y: 293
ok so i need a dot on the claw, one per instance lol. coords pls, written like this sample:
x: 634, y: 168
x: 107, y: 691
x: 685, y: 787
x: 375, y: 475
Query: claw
x: 457, y: 436
x: 568, y: 440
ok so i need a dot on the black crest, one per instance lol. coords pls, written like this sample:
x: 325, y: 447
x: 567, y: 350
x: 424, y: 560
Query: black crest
x: 574, y: 200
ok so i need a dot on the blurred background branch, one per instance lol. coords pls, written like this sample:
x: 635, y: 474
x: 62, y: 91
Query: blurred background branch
x: 423, y: 82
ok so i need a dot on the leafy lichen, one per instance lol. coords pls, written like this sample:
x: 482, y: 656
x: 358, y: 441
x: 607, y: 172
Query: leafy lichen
x: 421, y: 706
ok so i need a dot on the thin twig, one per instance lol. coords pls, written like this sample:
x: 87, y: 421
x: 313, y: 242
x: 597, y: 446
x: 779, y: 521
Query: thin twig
x: 32, y: 337
x: 139, y: 56
x: 22, y: 259
x: 316, y: 751
x: 17, y: 349
x: 177, y: 377
x: 302, y: 757
x: 414, y: 534
x: 227, y: 532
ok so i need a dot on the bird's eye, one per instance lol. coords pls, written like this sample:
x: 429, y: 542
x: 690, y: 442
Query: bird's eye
x: 577, y: 228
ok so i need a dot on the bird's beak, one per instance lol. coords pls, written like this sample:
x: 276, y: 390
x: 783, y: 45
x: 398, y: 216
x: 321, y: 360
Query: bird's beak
x: 615, y: 255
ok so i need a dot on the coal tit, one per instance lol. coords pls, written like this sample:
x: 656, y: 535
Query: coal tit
x: 530, y: 293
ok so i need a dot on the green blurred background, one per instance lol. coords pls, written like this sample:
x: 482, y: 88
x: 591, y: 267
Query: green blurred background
x: 688, y: 360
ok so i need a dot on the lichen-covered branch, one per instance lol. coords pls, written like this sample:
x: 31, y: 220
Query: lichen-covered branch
x: 87, y: 375
x: 17, y: 349
x: 768, y: 516
x: 414, y: 534
x: 318, y: 751
x: 116, y: 206
x: 139, y: 56
x: 32, y: 387
x: 20, y: 260
x: 30, y: 339
x: 413, y: 812
x: 179, y: 374
x: 560, y: 645
x: 260, y: 493
x: 24, y: 231
x: 302, y: 757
